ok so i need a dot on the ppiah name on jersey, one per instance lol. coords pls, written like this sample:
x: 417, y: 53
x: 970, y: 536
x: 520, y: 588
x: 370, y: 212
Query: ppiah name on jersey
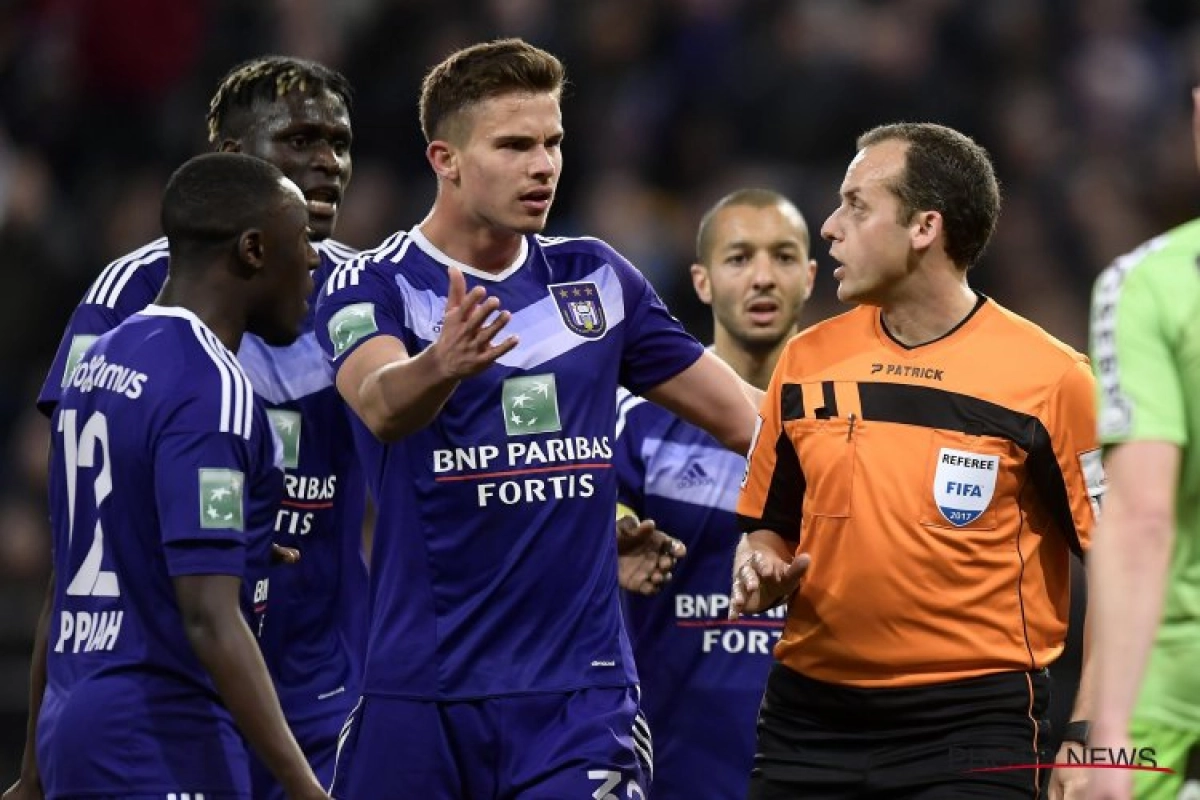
x: 87, y: 631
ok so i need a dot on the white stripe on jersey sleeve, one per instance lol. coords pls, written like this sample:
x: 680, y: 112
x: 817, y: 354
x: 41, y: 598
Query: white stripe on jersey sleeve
x: 626, y: 402
x: 345, y: 275
x: 349, y: 272
x: 237, y: 406
x: 107, y: 287
x: 337, y: 251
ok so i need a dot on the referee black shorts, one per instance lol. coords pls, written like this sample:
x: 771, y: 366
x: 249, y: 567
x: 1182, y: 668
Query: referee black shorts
x: 975, y: 738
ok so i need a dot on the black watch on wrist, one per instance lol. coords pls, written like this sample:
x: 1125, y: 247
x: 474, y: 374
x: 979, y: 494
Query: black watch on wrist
x: 1077, y: 731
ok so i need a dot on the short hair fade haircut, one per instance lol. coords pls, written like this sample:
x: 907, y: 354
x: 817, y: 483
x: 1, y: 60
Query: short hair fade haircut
x: 754, y: 197
x: 947, y: 172
x: 266, y: 79
x: 215, y: 197
x: 483, y: 71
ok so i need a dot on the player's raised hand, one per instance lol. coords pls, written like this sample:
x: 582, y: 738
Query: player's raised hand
x: 464, y: 346
x: 646, y: 555
x: 761, y: 579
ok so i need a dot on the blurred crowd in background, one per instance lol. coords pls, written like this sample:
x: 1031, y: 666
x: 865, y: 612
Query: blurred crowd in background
x: 1084, y: 104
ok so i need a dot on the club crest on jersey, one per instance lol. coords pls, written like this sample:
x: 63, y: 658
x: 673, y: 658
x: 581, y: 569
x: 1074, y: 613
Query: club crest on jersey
x: 963, y: 484
x: 580, y: 307
x: 286, y: 425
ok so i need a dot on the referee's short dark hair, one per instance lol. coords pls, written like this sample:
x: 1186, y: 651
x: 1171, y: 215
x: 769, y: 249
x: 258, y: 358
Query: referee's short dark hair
x: 948, y: 172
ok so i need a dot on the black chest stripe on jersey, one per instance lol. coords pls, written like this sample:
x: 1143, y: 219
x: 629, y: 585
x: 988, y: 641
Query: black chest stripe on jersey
x: 936, y: 408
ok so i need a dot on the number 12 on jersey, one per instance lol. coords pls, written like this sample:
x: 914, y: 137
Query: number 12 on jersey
x: 87, y: 450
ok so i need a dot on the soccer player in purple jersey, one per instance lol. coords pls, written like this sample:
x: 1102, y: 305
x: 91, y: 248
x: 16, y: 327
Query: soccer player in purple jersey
x: 498, y: 665
x: 702, y: 678
x: 296, y: 115
x: 164, y: 480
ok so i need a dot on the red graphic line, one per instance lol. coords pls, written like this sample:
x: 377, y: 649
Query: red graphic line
x: 1073, y: 765
x: 314, y: 506
x: 711, y: 623
x: 507, y: 473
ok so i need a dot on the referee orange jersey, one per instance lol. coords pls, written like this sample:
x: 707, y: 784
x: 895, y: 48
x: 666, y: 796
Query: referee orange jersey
x: 937, y: 489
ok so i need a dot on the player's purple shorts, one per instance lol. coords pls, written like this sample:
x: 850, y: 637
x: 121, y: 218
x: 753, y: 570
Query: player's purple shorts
x: 585, y: 744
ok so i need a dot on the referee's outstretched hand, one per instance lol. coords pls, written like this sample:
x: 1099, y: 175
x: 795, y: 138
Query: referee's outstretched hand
x: 762, y: 578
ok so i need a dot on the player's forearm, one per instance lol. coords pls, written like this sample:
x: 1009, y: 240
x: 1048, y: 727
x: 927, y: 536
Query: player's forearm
x: 1128, y: 568
x: 754, y: 394
x: 226, y: 648
x: 710, y: 395
x: 1085, y: 695
x: 30, y: 774
x: 403, y: 397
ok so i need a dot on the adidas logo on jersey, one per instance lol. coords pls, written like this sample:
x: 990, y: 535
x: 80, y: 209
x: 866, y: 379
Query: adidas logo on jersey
x: 694, y: 476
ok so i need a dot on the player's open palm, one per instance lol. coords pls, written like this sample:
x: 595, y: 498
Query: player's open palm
x: 472, y: 320
x: 761, y: 579
x: 646, y: 555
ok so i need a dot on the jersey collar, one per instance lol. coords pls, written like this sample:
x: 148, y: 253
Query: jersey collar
x: 433, y: 252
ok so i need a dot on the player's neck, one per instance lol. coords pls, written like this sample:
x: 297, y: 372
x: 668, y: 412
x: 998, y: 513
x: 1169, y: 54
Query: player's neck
x: 754, y: 365
x: 920, y: 314
x: 485, y: 248
x: 210, y: 304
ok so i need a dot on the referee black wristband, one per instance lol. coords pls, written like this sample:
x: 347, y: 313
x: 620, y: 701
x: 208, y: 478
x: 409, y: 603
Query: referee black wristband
x: 1077, y: 731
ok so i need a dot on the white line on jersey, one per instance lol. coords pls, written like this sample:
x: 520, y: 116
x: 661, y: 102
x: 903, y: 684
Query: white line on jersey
x: 107, y: 287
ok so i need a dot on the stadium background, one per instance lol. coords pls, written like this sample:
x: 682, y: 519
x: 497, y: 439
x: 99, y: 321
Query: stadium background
x: 1084, y: 104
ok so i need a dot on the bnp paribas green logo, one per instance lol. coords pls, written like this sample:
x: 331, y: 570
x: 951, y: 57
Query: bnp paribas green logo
x: 350, y: 324
x: 287, y: 428
x: 530, y: 405
x: 79, y: 345
x: 221, y: 499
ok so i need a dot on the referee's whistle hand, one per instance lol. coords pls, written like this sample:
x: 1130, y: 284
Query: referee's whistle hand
x: 762, y: 580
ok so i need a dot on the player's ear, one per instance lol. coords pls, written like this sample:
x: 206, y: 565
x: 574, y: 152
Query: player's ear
x: 925, y: 228
x: 812, y: 278
x: 250, y: 249
x: 702, y: 284
x: 229, y: 146
x: 443, y: 157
